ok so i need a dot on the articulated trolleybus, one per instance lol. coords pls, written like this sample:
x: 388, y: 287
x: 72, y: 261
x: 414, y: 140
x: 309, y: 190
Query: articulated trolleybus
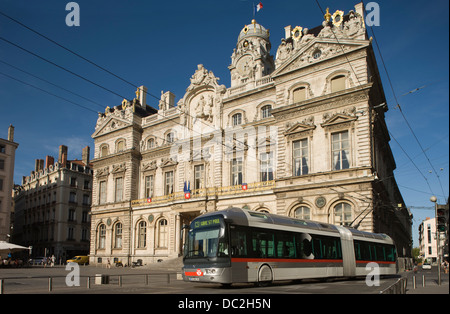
x: 241, y: 246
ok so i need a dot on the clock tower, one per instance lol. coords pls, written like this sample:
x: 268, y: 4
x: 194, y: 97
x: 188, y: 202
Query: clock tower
x: 251, y: 59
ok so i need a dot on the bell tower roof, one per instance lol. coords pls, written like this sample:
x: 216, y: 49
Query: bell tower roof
x: 254, y: 30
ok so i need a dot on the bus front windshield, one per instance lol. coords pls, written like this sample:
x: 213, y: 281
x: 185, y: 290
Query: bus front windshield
x: 206, y: 242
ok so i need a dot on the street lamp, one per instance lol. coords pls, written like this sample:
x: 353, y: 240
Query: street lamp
x: 434, y: 200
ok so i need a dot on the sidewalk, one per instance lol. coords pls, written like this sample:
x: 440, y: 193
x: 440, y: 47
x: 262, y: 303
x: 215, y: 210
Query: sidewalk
x: 431, y: 285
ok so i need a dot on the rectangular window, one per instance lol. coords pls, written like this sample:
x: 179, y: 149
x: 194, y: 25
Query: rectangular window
x: 149, y: 186
x: 238, y: 242
x: 340, y: 150
x: 71, y: 215
x: 70, y: 235
x: 263, y: 244
x: 168, y: 183
x: 72, y: 197
x: 102, y: 192
x: 2, y: 164
x: 266, y: 166
x: 199, y: 175
x: 285, y: 245
x: 300, y: 157
x: 119, y: 190
x: 236, y: 171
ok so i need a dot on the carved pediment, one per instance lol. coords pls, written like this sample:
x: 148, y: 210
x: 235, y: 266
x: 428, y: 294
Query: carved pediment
x: 168, y: 162
x: 299, y: 128
x: 314, y: 52
x: 338, y: 120
x: 119, y: 168
x: 149, y: 166
x: 110, y: 124
x: 102, y: 172
x: 266, y: 141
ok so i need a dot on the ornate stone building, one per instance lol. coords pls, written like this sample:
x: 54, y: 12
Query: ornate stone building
x: 52, y: 206
x: 301, y: 134
x: 7, y: 157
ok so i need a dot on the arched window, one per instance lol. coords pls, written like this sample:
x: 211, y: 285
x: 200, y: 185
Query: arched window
x: 302, y: 212
x: 101, y: 236
x: 170, y: 137
x: 120, y: 146
x: 162, y: 233
x: 337, y: 83
x: 342, y: 214
x: 142, y: 235
x: 299, y: 94
x: 237, y: 119
x: 266, y: 111
x: 104, y: 151
x: 118, y: 235
x: 150, y: 143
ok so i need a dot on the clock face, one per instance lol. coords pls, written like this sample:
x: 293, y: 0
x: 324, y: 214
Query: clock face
x: 244, y: 65
x: 320, y: 201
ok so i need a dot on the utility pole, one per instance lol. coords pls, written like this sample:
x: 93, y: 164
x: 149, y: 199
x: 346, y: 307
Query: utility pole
x: 434, y: 200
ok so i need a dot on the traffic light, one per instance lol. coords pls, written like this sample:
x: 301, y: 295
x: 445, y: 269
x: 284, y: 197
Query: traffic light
x: 441, y: 217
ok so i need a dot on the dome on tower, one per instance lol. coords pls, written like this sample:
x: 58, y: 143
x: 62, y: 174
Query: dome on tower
x: 254, y: 30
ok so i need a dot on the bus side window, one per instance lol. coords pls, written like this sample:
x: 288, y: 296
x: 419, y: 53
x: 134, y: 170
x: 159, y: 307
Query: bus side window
x: 238, y: 243
x: 285, y: 245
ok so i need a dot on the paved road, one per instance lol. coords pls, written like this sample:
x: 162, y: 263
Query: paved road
x: 162, y: 280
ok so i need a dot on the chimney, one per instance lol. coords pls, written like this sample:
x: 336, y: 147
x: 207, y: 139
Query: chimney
x: 62, y: 157
x: 11, y: 133
x: 38, y: 165
x: 143, y: 96
x: 49, y: 160
x: 287, y: 31
x: 85, y: 155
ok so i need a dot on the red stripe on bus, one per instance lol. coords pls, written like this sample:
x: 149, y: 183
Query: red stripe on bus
x: 378, y: 262
x: 283, y: 260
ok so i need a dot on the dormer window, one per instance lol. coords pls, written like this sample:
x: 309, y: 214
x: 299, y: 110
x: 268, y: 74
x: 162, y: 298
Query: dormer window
x: 150, y: 143
x: 266, y: 111
x: 120, y: 146
x: 237, y: 119
x: 299, y: 94
x: 170, y: 138
x: 338, y: 83
x: 104, y: 151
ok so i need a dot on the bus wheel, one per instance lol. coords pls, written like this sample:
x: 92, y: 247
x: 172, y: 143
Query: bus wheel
x: 265, y: 276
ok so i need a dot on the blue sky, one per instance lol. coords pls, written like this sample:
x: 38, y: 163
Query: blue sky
x: 159, y: 44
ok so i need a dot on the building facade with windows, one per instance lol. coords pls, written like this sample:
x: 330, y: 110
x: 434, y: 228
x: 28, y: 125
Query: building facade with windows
x: 428, y: 242
x: 52, y: 207
x: 301, y: 134
x: 7, y: 157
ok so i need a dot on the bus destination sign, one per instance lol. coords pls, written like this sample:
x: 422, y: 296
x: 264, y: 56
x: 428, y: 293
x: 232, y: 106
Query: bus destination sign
x: 210, y: 222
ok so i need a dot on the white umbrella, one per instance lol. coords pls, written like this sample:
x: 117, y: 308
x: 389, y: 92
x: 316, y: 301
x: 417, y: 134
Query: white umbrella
x: 6, y: 247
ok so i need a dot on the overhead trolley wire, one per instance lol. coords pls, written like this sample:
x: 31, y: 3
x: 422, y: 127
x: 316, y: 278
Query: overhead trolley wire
x: 59, y: 66
x: 400, y: 108
x: 45, y: 91
x: 48, y: 82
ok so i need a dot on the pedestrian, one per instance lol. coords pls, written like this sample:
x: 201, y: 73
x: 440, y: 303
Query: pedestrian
x: 108, y: 263
x: 52, y: 261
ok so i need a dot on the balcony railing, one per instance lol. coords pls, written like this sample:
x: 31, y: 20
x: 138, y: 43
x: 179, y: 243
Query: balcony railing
x: 241, y: 189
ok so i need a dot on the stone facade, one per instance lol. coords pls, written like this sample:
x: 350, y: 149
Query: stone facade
x: 7, y: 157
x: 300, y: 134
x: 52, y: 207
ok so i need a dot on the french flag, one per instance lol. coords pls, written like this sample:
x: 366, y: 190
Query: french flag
x: 259, y: 6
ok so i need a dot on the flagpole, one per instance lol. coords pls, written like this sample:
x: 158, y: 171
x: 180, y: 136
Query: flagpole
x: 254, y: 10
